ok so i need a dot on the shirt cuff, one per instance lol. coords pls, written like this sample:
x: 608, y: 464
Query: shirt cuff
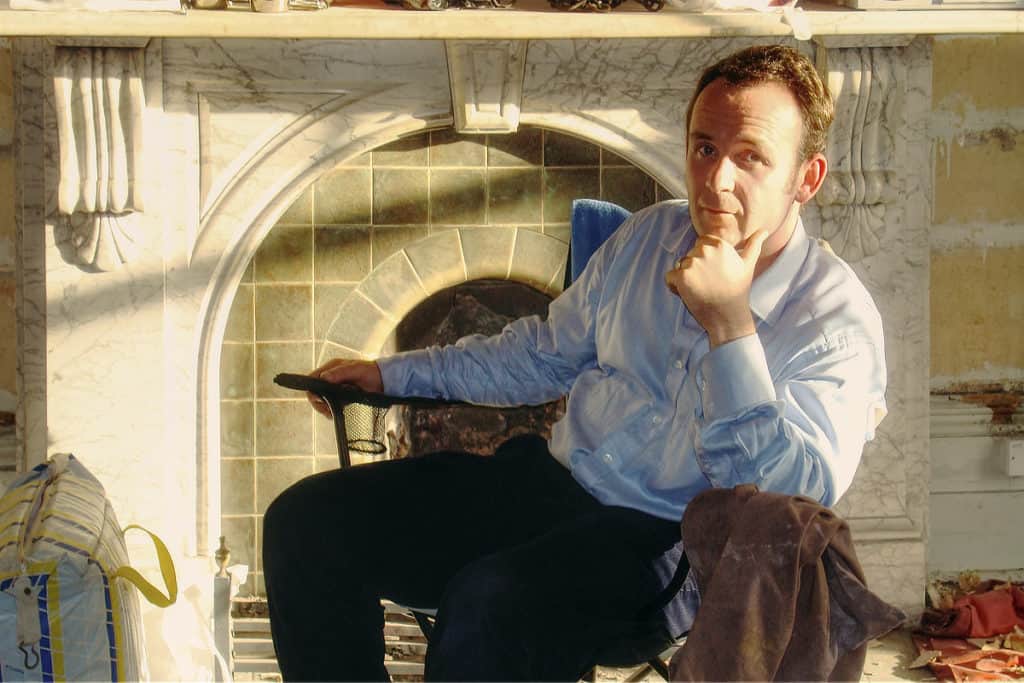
x: 397, y: 372
x: 734, y: 377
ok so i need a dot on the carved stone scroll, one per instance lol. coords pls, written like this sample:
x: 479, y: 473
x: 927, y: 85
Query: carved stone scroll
x: 98, y: 93
x: 487, y: 84
x: 862, y: 183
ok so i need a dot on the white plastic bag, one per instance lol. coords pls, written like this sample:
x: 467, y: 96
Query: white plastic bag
x: 68, y: 609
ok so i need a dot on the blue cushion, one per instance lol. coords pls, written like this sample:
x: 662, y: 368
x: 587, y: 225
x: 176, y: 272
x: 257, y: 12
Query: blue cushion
x: 593, y: 221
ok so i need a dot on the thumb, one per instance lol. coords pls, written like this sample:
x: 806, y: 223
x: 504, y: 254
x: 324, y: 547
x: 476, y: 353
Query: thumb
x: 750, y: 249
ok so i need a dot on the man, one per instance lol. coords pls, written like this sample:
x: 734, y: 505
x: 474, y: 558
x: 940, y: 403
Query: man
x: 708, y: 343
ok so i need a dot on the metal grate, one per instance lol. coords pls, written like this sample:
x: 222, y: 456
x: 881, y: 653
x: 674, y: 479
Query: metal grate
x: 253, y: 659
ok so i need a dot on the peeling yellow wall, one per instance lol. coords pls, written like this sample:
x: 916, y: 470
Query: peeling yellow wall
x: 977, y: 310
x: 977, y: 264
x: 7, y: 286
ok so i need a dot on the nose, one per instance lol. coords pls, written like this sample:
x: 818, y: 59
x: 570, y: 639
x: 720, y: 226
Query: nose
x: 722, y: 175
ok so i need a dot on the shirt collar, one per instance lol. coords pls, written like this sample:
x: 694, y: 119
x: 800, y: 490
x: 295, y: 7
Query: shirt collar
x: 770, y: 289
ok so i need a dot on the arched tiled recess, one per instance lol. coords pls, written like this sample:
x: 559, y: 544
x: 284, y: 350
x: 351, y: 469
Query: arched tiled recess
x: 285, y: 440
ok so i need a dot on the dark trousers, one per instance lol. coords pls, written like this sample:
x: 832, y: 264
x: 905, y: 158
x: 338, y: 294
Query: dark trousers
x: 533, y: 578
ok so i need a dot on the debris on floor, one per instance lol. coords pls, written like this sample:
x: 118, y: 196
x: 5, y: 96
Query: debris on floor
x: 973, y: 630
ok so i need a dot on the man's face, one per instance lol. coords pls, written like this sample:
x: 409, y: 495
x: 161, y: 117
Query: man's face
x: 742, y: 167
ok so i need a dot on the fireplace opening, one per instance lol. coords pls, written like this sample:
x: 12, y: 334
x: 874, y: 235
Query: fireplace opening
x: 476, y: 307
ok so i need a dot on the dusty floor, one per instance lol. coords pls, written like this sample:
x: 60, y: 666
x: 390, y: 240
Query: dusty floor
x: 887, y: 660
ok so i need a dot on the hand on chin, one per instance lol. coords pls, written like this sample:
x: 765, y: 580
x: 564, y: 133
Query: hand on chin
x: 721, y: 225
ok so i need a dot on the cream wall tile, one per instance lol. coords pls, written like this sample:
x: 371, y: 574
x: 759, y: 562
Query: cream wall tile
x: 628, y: 187
x: 327, y: 300
x: 275, y: 358
x: 238, y: 487
x: 274, y: 475
x: 236, y: 371
x: 399, y: 196
x: 284, y: 312
x: 448, y: 148
x: 537, y: 259
x: 514, y: 195
x: 240, y: 536
x: 286, y: 255
x: 357, y: 325
x: 566, y: 150
x: 523, y: 148
x: 342, y: 197
x: 236, y: 429
x: 563, y: 185
x: 488, y: 252
x: 240, y: 319
x: 438, y: 260
x: 342, y: 253
x: 325, y: 444
x: 394, y: 286
x: 458, y: 196
x: 389, y: 240
x: 301, y: 210
x: 409, y: 151
x: 284, y: 427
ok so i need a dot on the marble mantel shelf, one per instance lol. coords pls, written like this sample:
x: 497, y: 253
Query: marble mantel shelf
x: 529, y: 19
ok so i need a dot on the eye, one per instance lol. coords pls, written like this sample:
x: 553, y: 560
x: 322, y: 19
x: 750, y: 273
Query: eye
x: 703, y: 150
x: 751, y: 157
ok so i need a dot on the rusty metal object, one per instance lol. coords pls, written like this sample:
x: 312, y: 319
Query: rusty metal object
x: 602, y: 5
x: 434, y: 5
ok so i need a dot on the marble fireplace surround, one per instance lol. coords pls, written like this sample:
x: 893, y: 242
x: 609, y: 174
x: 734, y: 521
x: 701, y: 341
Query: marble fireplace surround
x: 123, y: 309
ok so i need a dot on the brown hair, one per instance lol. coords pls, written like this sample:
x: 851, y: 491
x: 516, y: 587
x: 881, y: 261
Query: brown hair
x: 779, y: 64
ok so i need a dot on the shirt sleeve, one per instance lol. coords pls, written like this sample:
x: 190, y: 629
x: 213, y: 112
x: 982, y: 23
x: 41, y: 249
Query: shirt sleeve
x: 531, y: 361
x: 800, y: 434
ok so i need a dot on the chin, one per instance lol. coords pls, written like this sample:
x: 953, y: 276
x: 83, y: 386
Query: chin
x: 723, y: 227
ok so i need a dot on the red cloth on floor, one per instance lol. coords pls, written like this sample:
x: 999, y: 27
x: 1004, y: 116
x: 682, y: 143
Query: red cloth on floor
x: 979, y: 615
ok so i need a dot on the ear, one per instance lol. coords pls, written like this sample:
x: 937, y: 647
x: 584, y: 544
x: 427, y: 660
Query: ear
x: 811, y: 176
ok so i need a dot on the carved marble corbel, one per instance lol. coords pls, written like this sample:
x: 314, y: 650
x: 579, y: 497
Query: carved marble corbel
x: 99, y: 101
x: 487, y: 84
x: 863, y: 182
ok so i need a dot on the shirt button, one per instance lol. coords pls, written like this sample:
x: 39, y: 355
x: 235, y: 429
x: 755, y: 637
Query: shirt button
x: 608, y: 458
x: 678, y: 364
x: 656, y: 419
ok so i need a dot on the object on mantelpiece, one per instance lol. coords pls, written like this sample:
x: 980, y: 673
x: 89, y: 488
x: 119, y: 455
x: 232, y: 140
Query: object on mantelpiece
x: 435, y: 5
x: 602, y: 5
x: 929, y: 4
x: 269, y: 6
x: 99, y: 5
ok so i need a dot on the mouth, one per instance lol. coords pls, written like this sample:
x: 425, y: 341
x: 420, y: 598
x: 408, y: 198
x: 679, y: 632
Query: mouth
x: 716, y: 212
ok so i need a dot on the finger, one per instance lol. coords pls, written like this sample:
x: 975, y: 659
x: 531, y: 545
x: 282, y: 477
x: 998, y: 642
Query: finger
x: 338, y: 373
x: 750, y: 248
x: 318, y: 371
x: 319, y: 405
x: 671, y: 285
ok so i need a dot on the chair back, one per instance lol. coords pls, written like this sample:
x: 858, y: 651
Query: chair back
x: 593, y: 221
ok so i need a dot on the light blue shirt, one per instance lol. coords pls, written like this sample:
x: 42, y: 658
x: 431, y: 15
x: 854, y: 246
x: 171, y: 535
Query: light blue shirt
x: 653, y: 417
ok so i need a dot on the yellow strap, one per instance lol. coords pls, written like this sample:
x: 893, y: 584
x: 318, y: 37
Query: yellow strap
x: 148, y: 590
